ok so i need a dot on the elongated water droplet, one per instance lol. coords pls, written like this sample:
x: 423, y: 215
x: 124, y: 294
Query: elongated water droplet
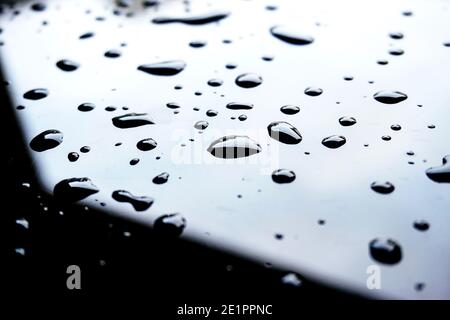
x: 248, y: 80
x: 239, y: 106
x: 86, y: 35
x: 201, y: 125
x: 36, y: 94
x: 161, y: 178
x: 396, y: 35
x: 283, y: 176
x: 232, y: 147
x: 139, y: 203
x: 74, y: 189
x: 396, y: 127
x: 284, y: 132
x: 347, y: 121
x: 390, y: 97
x: 170, y: 225
x: 67, y: 65
x: 197, y: 44
x: 194, y: 19
x: 165, y: 68
x: 38, y: 6
x: 421, y: 225
x: 382, y: 187
x: 131, y: 120
x: 334, y: 142
x: 113, y: 53
x: 396, y: 52
x: 46, y: 140
x: 290, y: 36
x: 385, y: 250
x: 442, y: 173
x: 290, y: 109
x: 146, y: 144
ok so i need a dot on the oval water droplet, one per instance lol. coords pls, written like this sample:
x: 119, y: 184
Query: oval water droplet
x: 46, y: 140
x: 396, y: 127
x: 396, y: 52
x: 197, y: 44
x: 173, y: 105
x: 347, y: 121
x: 442, y: 173
x: 85, y: 107
x: 194, y: 19
x: 38, y: 6
x: 248, y: 80
x: 67, y: 65
x: 113, y: 53
x: 165, y: 68
x: 334, y: 142
x: 313, y: 91
x: 389, y: 96
x: 74, y: 189
x: 242, y: 117
x: 290, y: 109
x: 396, y: 35
x: 86, y: 35
x: 385, y: 250
x: 146, y: 144
x: 36, y: 94
x: 131, y: 120
x: 201, y: 125
x: 232, y: 147
x: 212, y: 113
x: 290, y: 36
x: 170, y: 225
x: 284, y: 132
x: 139, y: 203
x: 215, y: 82
x: 382, y: 187
x: 161, y: 178
x: 421, y: 225
x: 239, y: 106
x: 283, y: 176
x: 73, y: 156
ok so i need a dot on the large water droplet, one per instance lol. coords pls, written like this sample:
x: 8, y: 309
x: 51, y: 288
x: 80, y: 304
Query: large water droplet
x: 139, y: 203
x: 36, y: 94
x: 290, y: 109
x: 334, y: 142
x: 248, y: 80
x: 67, y: 65
x: 131, y: 120
x: 283, y: 176
x: 161, y: 178
x: 165, y: 68
x: 386, y: 251
x: 290, y: 36
x: 46, y: 140
x: 382, y: 187
x: 390, y: 97
x: 146, y: 144
x: 194, y: 19
x: 170, y: 225
x: 232, y: 147
x: 74, y: 189
x: 441, y: 173
x: 284, y: 132
x: 239, y: 106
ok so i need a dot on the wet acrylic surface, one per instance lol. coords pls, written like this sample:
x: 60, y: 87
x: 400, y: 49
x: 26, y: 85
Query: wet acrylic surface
x: 238, y: 205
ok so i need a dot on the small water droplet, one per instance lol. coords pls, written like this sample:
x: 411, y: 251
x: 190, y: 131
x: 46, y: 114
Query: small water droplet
x: 73, y: 156
x: 215, y: 82
x: 284, y: 132
x: 248, y: 80
x: 290, y: 36
x: 74, y: 189
x: 36, y: 94
x: 396, y: 52
x: 232, y: 147
x: 38, y: 6
x: 283, y: 176
x: 431, y: 126
x: 385, y: 250
x: 201, y: 125
x: 131, y: 120
x: 85, y: 107
x: 334, y: 142
x: 419, y: 286
x: 348, y: 78
x: 442, y: 173
x: 396, y: 127
x: 173, y: 105
x: 289, y: 109
x: 386, y: 138
x: 85, y: 149
x: 139, y: 203
x: 67, y: 65
x: 212, y: 113
x: 146, y: 144
x: 165, y: 68
x: 347, y: 121
x: 313, y: 91
x: 239, y: 106
x: 390, y: 97
x: 421, y: 225
x: 134, y: 161
x: 161, y: 178
x: 242, y: 117
x: 382, y: 62
x: 46, y: 140
x: 86, y: 35
x: 231, y: 66
x: 382, y: 187
x: 197, y: 44
x: 113, y: 53
x: 194, y: 20
x: 291, y: 279
x: 396, y: 35
x: 170, y: 225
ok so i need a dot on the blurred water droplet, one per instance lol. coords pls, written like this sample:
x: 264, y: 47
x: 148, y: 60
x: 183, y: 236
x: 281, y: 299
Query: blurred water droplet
x: 291, y: 279
x: 396, y: 35
x: 73, y: 156
x: 197, y: 44
x: 211, y: 113
x: 396, y: 127
x: 113, y: 53
x: 201, y: 125
x: 215, y: 82
x: 421, y: 225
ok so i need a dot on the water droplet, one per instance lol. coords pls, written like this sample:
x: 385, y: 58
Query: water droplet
x: 385, y: 250
x: 239, y: 106
x: 431, y: 126
x: 283, y: 176
x: 410, y: 153
x: 170, y: 225
x: 446, y: 44
x: 291, y: 279
x: 215, y: 82
x: 201, y: 125
x: 211, y: 113
x: 313, y: 91
x: 139, y: 203
x: 173, y: 105
x: 382, y: 187
x: 194, y: 20
x: 348, y: 78
x: 38, y: 6
x: 334, y: 141
x: 161, y: 178
x: 110, y: 108
x: 396, y: 127
x: 85, y: 107
x: 46, y: 140
x: 421, y: 225
x: 86, y: 35
x: 390, y: 97
x: 284, y: 132
x: 419, y: 286
x: 197, y: 44
x: 347, y: 121
x: 386, y: 138
x: 231, y: 66
x: 396, y: 51
x: 85, y: 149
x: 382, y: 62
x: 131, y: 120
x: 248, y: 80
x: 407, y: 13
x: 290, y: 36
x: 113, y: 53
x: 73, y: 156
x: 290, y: 109
x: 268, y: 58
x: 232, y: 147
x: 442, y: 173
x: 36, y: 94
x: 396, y: 35
x: 74, y: 189
x: 242, y: 117
x: 146, y: 144
x: 67, y: 65
x: 165, y: 68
